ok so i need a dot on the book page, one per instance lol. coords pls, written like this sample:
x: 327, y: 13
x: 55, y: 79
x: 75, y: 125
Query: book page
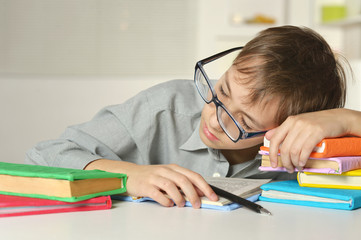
x: 301, y: 197
x: 238, y: 186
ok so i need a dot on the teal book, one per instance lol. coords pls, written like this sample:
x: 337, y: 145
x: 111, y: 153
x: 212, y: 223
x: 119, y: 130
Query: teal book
x: 290, y: 192
x: 63, y: 184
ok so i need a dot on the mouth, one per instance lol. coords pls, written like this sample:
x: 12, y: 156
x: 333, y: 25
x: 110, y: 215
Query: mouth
x: 208, y: 134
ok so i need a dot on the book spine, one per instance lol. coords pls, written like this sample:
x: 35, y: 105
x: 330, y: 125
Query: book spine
x: 314, y: 170
x: 343, y: 206
x: 99, y: 203
x: 315, y: 185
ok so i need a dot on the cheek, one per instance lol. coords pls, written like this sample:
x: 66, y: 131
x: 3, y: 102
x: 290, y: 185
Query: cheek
x: 207, y: 111
x: 247, y: 143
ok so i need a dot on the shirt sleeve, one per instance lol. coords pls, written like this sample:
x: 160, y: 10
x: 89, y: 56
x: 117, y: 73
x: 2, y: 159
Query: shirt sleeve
x: 146, y: 129
x: 107, y: 135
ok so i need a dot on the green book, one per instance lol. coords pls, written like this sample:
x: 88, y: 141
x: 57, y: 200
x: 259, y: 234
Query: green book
x: 64, y: 184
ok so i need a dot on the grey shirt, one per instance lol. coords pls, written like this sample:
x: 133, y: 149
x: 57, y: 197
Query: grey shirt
x: 158, y: 126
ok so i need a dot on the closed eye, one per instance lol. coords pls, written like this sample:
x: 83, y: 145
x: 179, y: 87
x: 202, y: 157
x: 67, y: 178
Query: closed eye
x: 242, y: 122
x: 245, y: 125
x: 223, y: 93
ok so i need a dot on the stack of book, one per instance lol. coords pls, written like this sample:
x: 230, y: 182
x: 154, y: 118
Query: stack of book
x: 330, y: 179
x: 33, y: 189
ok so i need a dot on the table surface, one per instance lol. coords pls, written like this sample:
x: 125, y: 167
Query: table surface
x: 127, y: 220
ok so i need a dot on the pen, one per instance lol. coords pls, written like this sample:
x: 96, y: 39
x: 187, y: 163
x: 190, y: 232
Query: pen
x: 236, y: 199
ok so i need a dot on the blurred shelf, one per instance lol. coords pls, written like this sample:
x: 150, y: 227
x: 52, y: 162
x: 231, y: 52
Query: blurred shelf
x: 354, y: 20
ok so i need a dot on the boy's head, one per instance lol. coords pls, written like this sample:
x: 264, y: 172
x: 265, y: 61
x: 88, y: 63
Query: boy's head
x: 296, y: 65
x: 283, y: 71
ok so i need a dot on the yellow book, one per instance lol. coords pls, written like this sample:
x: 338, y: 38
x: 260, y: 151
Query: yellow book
x: 346, y: 180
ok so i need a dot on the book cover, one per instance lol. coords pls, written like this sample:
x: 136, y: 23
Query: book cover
x: 332, y: 165
x: 331, y: 147
x: 290, y: 192
x: 56, y: 183
x: 205, y: 205
x: 21, y: 206
x: 346, y: 180
x: 246, y: 188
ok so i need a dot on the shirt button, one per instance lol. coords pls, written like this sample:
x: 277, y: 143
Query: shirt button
x: 216, y: 174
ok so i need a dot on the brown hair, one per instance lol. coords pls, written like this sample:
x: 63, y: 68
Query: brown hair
x: 295, y: 64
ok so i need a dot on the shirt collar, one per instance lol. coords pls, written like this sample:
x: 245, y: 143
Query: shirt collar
x: 194, y: 142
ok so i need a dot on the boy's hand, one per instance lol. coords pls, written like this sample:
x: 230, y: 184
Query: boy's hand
x: 157, y: 181
x: 298, y: 135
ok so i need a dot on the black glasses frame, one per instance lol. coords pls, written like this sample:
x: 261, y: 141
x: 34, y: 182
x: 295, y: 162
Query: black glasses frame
x: 199, y: 66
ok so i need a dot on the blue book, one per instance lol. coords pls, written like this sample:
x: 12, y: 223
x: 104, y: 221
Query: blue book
x: 226, y: 207
x: 290, y: 192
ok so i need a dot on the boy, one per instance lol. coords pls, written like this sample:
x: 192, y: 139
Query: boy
x: 166, y: 138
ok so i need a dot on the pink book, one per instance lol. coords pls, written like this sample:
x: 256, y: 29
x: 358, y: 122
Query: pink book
x: 332, y: 165
x: 20, y: 206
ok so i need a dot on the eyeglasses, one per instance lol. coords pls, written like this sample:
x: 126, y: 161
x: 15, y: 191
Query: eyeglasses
x: 225, y: 119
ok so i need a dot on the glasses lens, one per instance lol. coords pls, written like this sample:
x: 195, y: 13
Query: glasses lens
x: 227, y: 124
x: 203, y: 86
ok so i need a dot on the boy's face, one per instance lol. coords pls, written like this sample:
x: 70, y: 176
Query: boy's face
x: 234, y: 95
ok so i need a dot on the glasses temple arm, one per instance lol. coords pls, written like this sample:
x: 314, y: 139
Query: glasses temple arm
x: 218, y: 55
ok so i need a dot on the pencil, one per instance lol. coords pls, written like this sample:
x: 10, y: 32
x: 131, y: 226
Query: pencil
x: 237, y: 199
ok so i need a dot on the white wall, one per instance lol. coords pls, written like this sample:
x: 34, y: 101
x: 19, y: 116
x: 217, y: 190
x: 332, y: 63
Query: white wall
x: 353, y: 99
x: 97, y: 37
x: 36, y: 109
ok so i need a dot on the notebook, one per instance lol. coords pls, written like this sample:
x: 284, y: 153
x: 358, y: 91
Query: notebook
x: 246, y: 188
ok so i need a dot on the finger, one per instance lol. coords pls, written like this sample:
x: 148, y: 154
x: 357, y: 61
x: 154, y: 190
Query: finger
x: 178, y: 179
x: 290, y: 152
x: 276, y: 137
x: 159, y: 197
x: 270, y: 133
x: 286, y: 160
x: 296, y: 142
x: 198, y: 182
x: 171, y: 189
x: 293, y: 145
x: 189, y: 190
x: 307, y: 149
x: 199, y: 192
x: 174, y: 193
x: 283, y: 138
x: 291, y: 134
x: 301, y: 144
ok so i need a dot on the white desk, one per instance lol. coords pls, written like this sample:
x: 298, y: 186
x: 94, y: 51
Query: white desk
x: 151, y: 221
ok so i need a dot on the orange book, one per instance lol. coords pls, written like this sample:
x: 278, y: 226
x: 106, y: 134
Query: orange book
x: 331, y: 147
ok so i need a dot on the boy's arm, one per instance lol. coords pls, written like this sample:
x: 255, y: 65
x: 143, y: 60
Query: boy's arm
x: 89, y: 146
x: 155, y: 181
x: 104, y: 136
x: 300, y: 134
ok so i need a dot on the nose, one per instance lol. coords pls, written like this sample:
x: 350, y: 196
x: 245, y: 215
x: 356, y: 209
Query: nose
x: 213, y: 121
